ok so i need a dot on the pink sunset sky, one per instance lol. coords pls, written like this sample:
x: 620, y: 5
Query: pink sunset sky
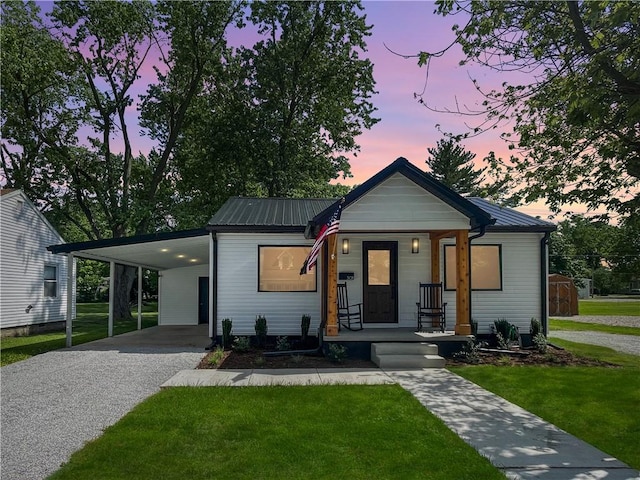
x: 406, y: 127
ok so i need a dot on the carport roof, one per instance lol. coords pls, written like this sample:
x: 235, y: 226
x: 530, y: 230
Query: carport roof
x: 156, y: 251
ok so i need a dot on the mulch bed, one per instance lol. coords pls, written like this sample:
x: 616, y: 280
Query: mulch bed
x: 554, y: 357
x: 254, y: 359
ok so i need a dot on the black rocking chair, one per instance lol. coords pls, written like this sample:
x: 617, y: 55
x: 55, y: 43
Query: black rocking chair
x: 351, y: 313
x: 431, y: 308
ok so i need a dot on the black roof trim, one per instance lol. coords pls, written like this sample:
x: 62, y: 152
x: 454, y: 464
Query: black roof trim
x: 520, y: 229
x: 477, y: 216
x: 115, y: 242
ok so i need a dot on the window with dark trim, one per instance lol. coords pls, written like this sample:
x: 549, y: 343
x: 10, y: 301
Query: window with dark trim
x: 279, y: 269
x: 486, y: 267
x: 50, y: 281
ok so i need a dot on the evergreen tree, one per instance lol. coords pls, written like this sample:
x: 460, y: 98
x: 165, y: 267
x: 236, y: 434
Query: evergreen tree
x: 452, y: 165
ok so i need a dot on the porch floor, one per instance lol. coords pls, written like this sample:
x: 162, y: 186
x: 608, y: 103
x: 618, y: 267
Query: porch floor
x: 394, y: 335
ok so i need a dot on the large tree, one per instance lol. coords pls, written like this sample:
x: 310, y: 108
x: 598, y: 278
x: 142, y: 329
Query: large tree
x: 289, y: 109
x: 450, y: 163
x: 101, y: 185
x: 576, y: 115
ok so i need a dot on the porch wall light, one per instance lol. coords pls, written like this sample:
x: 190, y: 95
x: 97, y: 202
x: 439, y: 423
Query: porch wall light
x: 345, y: 246
x: 415, y: 245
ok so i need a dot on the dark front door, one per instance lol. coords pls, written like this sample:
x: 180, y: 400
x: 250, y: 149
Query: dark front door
x: 380, y: 289
x: 203, y: 299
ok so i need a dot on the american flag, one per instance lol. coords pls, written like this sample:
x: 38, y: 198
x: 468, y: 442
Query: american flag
x: 327, y: 229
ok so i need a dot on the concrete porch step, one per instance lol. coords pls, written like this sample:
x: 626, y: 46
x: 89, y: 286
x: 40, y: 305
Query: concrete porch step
x: 401, y: 348
x: 406, y: 355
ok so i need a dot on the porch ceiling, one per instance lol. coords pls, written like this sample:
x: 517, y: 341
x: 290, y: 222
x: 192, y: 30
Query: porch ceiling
x: 155, y: 255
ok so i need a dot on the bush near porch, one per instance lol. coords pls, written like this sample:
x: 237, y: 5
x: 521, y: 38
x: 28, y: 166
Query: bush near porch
x: 90, y: 324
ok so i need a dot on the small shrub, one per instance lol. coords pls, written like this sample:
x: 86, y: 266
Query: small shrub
x: 282, y: 344
x: 503, y: 343
x: 261, y: 329
x: 227, y: 338
x: 241, y: 344
x: 470, y: 353
x: 540, y: 342
x: 508, y: 331
x: 216, y: 356
x: 535, y: 328
x: 297, y: 359
x: 259, y: 362
x: 304, y: 326
x: 337, y: 353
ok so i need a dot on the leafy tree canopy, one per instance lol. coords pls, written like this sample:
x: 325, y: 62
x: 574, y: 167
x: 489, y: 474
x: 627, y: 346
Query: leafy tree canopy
x: 577, y: 121
x: 285, y: 112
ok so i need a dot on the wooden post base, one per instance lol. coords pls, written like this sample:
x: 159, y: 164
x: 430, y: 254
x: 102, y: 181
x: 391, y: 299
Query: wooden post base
x: 331, y: 331
x: 464, y: 329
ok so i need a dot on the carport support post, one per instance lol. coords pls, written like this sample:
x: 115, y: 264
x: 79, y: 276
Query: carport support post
x: 70, y: 281
x: 112, y: 288
x: 139, y: 298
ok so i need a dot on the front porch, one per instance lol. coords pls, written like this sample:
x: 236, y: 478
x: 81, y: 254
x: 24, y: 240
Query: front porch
x: 358, y: 343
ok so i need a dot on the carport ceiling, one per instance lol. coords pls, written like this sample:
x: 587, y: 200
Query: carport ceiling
x: 155, y: 255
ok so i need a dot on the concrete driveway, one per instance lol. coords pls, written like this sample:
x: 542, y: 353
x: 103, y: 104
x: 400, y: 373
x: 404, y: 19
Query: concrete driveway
x: 52, y: 404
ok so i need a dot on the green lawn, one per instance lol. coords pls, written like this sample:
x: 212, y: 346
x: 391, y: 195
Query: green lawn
x: 90, y: 324
x: 596, y: 404
x: 609, y: 308
x: 345, y: 431
x: 557, y: 324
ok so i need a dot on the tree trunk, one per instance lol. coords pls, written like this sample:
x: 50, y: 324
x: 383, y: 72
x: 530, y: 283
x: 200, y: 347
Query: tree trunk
x: 124, y: 277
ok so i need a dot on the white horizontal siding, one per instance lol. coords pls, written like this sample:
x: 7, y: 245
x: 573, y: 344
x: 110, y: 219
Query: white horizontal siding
x: 24, y: 237
x: 412, y: 269
x: 178, y: 295
x: 399, y: 204
x: 237, y: 288
x: 520, y: 298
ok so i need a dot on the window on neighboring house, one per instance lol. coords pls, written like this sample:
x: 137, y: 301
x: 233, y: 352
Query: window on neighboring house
x: 486, y: 267
x: 279, y: 269
x: 50, y: 281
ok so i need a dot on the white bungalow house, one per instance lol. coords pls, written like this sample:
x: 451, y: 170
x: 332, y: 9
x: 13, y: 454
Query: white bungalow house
x: 246, y: 262
x: 33, y: 281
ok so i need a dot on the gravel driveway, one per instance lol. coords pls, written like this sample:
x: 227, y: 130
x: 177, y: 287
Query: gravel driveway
x: 622, y: 343
x: 52, y: 404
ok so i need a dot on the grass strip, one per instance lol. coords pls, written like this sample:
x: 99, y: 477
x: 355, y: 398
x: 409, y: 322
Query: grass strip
x: 90, y: 324
x: 605, y: 308
x: 597, y: 404
x: 557, y: 324
x: 318, y: 432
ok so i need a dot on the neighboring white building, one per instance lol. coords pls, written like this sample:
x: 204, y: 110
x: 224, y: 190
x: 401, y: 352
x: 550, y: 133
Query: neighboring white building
x: 33, y: 281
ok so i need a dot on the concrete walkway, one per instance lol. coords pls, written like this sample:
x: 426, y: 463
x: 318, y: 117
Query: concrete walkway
x: 517, y: 442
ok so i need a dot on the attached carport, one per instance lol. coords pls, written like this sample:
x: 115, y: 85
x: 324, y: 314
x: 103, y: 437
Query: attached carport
x: 158, y: 251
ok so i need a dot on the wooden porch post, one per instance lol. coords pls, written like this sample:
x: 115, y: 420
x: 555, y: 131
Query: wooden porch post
x: 463, y: 286
x: 332, y: 286
x: 435, y: 260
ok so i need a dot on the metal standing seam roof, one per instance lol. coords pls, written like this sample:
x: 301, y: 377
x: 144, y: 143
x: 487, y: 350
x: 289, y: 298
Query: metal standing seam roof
x: 267, y: 214
x: 510, y: 220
